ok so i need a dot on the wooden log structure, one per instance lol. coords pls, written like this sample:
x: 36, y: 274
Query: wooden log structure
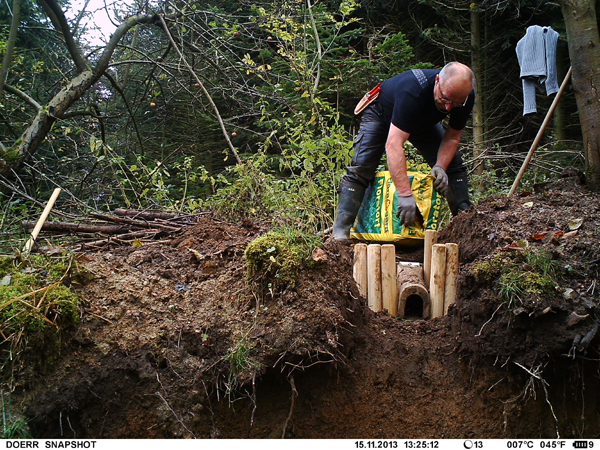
x: 411, y: 284
x: 431, y: 238
x: 389, y: 290
x: 437, y: 282
x: 451, y: 276
x: 360, y: 268
x: 374, y: 298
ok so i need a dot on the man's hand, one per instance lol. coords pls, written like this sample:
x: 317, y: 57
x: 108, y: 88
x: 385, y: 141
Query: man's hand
x: 441, y: 180
x: 407, y: 209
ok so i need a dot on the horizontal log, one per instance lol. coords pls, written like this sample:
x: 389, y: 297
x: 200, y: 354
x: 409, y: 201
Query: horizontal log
x: 137, y: 223
x: 411, y: 284
x: 147, y: 215
x: 62, y: 227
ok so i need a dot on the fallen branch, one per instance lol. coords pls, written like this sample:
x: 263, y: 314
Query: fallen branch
x: 78, y: 227
x: 137, y: 223
x: 147, y: 215
x: 102, y: 242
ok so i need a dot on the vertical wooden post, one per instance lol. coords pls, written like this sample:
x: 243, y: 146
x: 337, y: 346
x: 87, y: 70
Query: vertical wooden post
x: 451, y: 276
x: 40, y: 223
x: 360, y: 268
x: 431, y: 238
x: 374, y: 283
x: 438, y: 279
x: 388, y: 279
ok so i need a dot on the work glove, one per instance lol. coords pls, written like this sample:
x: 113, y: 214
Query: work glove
x: 441, y: 180
x: 408, y: 212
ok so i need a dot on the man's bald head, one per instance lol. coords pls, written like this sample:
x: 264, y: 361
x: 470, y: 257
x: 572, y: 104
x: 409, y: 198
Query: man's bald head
x: 458, y: 79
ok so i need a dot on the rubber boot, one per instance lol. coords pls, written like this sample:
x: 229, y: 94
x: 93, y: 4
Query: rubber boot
x: 458, y: 199
x: 351, y: 196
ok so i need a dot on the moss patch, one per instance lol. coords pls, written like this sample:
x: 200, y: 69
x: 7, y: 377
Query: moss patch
x: 36, y: 304
x: 521, y: 277
x: 274, y: 260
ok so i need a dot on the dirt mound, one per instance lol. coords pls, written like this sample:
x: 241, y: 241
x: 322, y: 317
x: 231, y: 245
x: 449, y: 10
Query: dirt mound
x: 509, y: 246
x: 174, y: 343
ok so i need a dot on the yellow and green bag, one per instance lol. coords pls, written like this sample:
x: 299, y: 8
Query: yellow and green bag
x: 377, y: 220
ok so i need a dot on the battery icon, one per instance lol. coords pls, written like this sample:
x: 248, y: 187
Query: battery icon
x: 580, y: 444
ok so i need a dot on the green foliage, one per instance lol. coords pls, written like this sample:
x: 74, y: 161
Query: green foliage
x: 294, y: 176
x: 297, y: 183
x: 35, y: 305
x: 158, y: 184
x: 249, y: 190
x: 240, y: 364
x: 239, y: 358
x: 521, y: 276
x: 12, y: 427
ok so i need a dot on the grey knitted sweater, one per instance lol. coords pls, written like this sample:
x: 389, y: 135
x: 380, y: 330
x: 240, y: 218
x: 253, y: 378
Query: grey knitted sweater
x: 536, y: 53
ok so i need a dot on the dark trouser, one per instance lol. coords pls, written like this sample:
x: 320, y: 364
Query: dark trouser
x: 369, y: 146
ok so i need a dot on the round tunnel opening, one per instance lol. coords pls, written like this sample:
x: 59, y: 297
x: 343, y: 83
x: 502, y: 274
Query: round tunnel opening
x: 414, y: 307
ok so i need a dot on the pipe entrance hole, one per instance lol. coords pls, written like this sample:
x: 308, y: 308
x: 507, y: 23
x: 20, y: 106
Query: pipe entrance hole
x: 414, y: 307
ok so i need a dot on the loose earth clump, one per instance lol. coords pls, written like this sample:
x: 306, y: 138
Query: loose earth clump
x: 209, y: 336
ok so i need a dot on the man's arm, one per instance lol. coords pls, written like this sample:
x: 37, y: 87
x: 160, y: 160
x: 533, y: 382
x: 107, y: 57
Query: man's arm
x: 394, y: 148
x: 448, y: 147
x: 408, y: 211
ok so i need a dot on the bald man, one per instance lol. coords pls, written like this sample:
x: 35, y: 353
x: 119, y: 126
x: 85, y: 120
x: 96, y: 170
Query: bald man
x: 411, y: 107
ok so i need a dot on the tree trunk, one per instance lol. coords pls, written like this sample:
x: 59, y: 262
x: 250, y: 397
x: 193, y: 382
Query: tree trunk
x: 560, y: 117
x: 584, y: 52
x: 476, y: 65
x: 12, y: 39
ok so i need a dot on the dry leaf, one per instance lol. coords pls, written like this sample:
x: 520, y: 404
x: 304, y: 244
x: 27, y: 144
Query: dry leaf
x: 199, y: 256
x: 570, y: 234
x: 527, y: 205
x: 575, y: 224
x: 540, y: 236
x: 575, y: 318
x: 513, y: 246
x: 319, y: 255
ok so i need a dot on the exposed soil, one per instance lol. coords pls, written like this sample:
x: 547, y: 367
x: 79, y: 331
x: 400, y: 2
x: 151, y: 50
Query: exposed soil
x: 150, y: 357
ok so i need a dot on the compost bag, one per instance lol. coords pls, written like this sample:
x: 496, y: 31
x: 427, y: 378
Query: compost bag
x: 377, y: 220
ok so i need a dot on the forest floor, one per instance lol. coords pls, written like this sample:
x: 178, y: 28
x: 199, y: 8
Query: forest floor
x: 173, y: 343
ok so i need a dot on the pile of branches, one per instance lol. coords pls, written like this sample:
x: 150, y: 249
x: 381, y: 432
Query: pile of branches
x: 122, y: 226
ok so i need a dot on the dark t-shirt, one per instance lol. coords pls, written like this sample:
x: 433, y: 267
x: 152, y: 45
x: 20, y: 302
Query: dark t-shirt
x: 411, y: 107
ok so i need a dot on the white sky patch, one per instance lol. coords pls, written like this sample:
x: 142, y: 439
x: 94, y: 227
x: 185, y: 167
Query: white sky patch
x: 99, y: 20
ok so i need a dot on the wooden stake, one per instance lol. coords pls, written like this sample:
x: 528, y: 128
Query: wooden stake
x: 431, y: 238
x: 411, y: 283
x: 374, y: 277
x: 38, y: 227
x: 360, y: 268
x: 438, y: 279
x: 451, y: 276
x: 389, y: 290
